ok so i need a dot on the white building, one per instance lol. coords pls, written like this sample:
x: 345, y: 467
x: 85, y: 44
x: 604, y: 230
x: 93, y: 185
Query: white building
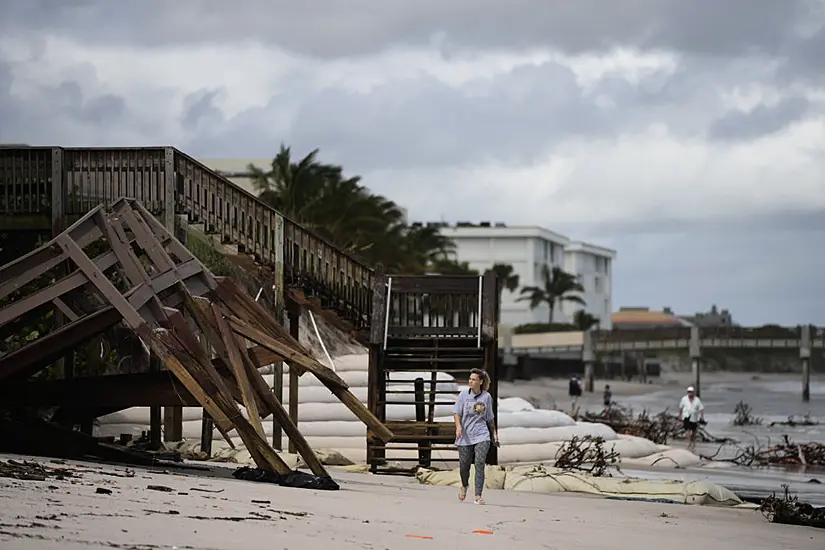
x: 528, y: 249
x: 594, y: 267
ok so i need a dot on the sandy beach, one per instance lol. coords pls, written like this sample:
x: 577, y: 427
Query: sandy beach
x: 195, y: 510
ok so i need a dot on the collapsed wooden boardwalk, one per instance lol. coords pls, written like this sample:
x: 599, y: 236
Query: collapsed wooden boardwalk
x: 202, y: 329
x: 47, y: 189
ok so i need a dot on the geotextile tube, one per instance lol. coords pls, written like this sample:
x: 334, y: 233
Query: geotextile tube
x: 539, y: 479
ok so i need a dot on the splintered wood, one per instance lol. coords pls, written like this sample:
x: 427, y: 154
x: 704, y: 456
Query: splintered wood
x: 208, y: 332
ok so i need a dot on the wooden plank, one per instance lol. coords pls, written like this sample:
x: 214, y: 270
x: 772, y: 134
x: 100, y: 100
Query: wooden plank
x: 321, y: 371
x: 210, y: 387
x: 65, y: 309
x: 282, y: 418
x: 294, y: 321
x: 236, y: 361
x: 327, y: 377
x: 99, y: 281
x: 244, y: 307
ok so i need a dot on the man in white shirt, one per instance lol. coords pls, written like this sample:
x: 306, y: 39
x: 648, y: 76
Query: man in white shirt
x: 692, y: 412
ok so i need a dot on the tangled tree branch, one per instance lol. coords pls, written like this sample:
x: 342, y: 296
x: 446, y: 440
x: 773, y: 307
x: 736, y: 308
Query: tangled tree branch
x: 785, y: 453
x: 587, y: 454
x: 659, y: 428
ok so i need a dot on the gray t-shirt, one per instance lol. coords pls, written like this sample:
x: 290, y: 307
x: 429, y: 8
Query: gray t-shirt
x: 474, y: 411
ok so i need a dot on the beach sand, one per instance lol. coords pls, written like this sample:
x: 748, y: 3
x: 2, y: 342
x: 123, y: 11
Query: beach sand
x: 369, y: 512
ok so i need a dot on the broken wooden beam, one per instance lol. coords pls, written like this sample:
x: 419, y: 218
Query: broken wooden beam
x: 326, y: 375
x: 282, y: 417
x: 236, y: 362
x: 212, y: 392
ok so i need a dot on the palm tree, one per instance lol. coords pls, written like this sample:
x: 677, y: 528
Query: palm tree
x: 507, y: 278
x: 339, y: 208
x: 557, y: 286
x: 584, y: 321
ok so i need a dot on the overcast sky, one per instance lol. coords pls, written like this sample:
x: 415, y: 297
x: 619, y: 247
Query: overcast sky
x: 690, y: 136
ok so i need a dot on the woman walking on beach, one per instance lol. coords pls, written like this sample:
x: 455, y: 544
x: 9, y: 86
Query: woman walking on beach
x: 475, y: 431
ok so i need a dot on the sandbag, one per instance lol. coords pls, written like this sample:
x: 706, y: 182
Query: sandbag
x: 664, y: 460
x: 537, y: 479
x: 494, y: 477
x: 521, y: 436
x: 333, y: 428
x: 629, y: 446
x: 536, y: 418
x: 514, y: 404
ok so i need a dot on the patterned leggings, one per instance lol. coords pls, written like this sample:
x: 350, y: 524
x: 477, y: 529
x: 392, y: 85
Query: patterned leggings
x: 469, y: 454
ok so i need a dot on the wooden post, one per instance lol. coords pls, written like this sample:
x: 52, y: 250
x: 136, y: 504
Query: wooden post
x: 696, y: 360
x: 294, y: 319
x: 641, y: 366
x: 623, y: 366
x: 63, y: 367
x: 207, y: 424
x: 278, y: 392
x: 490, y: 315
x: 805, y: 359
x: 588, y: 358
x: 155, y: 413
x: 376, y: 375
x: 421, y: 416
x: 173, y: 416
x: 279, y: 293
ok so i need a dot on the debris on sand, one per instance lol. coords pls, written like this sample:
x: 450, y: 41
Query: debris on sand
x: 790, y: 511
x: 32, y: 471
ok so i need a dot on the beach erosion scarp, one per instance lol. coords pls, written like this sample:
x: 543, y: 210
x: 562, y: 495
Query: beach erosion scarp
x: 102, y: 506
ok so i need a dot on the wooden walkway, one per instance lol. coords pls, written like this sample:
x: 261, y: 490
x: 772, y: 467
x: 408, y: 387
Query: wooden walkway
x: 48, y: 188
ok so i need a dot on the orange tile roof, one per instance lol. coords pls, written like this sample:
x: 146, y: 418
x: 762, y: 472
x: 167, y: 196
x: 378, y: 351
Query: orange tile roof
x: 644, y: 318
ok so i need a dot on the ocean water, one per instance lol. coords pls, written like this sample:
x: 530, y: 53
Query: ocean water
x: 773, y: 399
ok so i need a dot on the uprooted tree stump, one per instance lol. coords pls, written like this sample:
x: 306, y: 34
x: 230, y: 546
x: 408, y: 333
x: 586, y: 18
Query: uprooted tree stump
x: 587, y: 454
x: 790, y: 511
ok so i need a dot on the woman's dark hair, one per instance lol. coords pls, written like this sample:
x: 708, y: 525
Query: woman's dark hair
x: 485, y: 378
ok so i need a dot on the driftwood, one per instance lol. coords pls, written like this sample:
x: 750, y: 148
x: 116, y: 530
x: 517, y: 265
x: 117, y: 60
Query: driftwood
x: 586, y: 454
x: 794, y: 421
x: 785, y: 453
x: 790, y: 511
x: 659, y: 428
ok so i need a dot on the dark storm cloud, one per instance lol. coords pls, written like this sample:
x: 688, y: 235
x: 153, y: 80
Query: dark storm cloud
x: 405, y: 123
x: 56, y: 114
x: 335, y: 28
x: 762, y: 120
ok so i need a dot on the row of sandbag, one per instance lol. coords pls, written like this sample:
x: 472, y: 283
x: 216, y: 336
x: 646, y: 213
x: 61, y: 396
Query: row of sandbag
x: 541, y: 479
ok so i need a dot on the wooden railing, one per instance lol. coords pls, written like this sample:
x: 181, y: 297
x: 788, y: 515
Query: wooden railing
x: 169, y: 182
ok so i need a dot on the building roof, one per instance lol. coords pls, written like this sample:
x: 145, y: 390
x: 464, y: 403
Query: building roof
x: 596, y: 250
x: 645, y: 317
x: 502, y: 231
